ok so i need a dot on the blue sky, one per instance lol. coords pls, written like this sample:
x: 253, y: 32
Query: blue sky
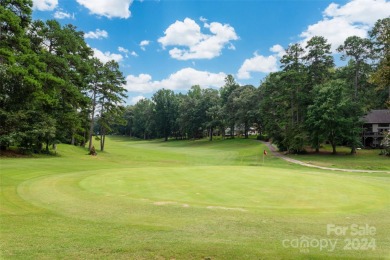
x: 176, y: 44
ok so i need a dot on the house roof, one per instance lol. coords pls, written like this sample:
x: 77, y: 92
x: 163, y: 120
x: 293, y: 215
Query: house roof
x: 377, y: 117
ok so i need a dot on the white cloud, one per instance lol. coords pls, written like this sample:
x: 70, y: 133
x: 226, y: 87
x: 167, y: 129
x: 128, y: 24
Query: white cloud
x: 231, y: 47
x: 278, y: 50
x: 354, y: 18
x: 191, y: 43
x: 98, y: 34
x: 202, y: 19
x: 143, y: 44
x: 338, y: 23
x: 110, y: 9
x: 121, y: 49
x: 360, y: 11
x: 127, y: 52
x: 63, y: 15
x: 134, y: 100
x: 257, y: 63
x: 45, y: 5
x: 180, y: 80
x: 106, y: 56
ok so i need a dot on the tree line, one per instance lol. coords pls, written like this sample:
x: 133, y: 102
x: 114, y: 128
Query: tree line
x: 309, y: 101
x: 52, y: 90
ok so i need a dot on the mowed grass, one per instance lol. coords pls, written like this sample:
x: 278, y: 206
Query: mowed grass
x: 364, y: 159
x: 185, y: 200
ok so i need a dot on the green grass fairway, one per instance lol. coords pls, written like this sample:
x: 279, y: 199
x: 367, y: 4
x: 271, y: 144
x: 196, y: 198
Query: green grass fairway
x: 187, y: 200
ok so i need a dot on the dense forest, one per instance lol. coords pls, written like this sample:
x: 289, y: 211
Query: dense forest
x: 51, y: 86
x: 53, y: 91
x: 309, y: 101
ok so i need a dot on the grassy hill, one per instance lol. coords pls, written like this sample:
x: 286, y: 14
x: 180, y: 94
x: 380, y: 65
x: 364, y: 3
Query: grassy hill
x: 186, y: 200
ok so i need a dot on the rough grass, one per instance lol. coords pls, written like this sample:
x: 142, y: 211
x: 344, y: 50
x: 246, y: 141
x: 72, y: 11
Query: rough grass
x: 183, y: 200
x: 364, y: 159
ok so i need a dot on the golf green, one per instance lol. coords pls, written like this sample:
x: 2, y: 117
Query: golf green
x: 187, y: 200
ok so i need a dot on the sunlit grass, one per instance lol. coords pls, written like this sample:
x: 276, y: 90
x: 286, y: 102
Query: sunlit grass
x: 364, y: 159
x: 182, y: 200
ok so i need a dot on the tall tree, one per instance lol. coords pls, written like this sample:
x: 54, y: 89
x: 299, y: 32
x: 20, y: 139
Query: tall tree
x: 20, y: 78
x: 144, y: 116
x: 211, y: 105
x: 128, y: 116
x: 225, y: 91
x: 192, y: 115
x: 66, y: 55
x: 96, y: 81
x: 166, y: 111
x: 380, y: 36
x: 245, y: 101
x: 330, y: 112
x: 294, y: 78
x: 319, y: 61
x: 360, y: 50
x: 112, y: 94
x: 273, y: 107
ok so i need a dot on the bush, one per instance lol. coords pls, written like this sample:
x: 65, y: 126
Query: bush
x: 93, y: 151
x: 263, y: 138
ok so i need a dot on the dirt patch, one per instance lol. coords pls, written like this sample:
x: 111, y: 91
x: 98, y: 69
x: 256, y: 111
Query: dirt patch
x: 225, y: 208
x: 161, y: 203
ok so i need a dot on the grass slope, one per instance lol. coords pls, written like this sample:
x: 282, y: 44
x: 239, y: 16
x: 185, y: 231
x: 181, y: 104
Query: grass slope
x: 183, y: 200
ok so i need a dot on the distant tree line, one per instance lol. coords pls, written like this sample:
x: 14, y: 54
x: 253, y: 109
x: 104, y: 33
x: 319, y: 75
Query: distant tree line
x: 52, y: 90
x: 308, y: 102
x: 199, y: 113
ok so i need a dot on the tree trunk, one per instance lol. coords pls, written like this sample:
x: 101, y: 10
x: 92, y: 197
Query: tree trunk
x: 84, y: 138
x: 356, y: 82
x: 104, y: 141
x: 353, y: 146
x: 92, y: 118
x: 211, y: 134
x: 232, y: 131
x: 101, y: 140
x: 317, y: 143
x: 246, y: 130
x: 333, y: 148
x: 72, y: 140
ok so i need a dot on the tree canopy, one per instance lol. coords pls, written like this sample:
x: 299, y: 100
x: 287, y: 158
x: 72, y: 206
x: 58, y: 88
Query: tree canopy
x: 53, y: 90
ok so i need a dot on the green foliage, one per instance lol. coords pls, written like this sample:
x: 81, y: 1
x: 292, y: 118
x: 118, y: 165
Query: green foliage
x: 328, y: 117
x: 385, y: 143
x: 52, y: 90
x: 318, y: 60
x: 144, y: 119
x: 46, y: 73
x: 166, y: 109
x: 380, y: 36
